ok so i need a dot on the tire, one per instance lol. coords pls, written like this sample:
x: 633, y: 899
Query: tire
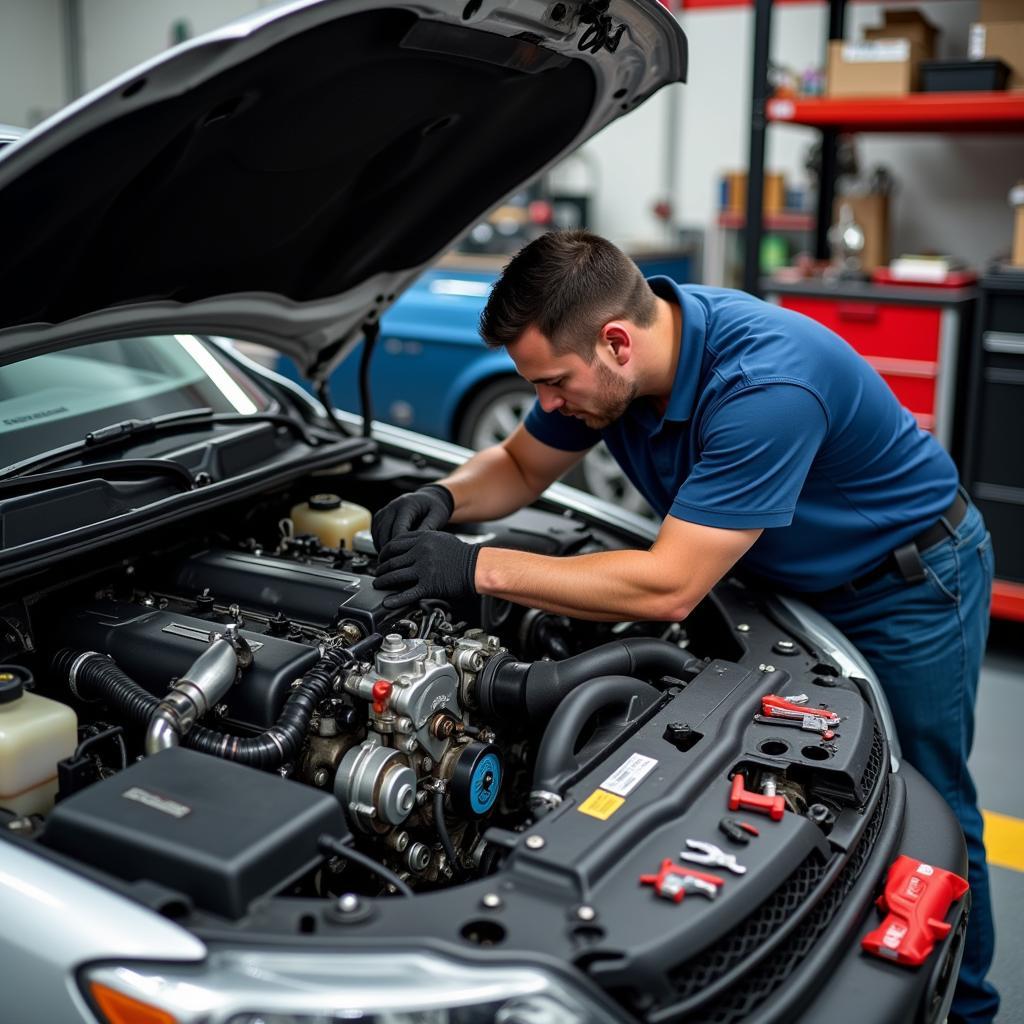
x: 494, y: 412
x: 498, y: 408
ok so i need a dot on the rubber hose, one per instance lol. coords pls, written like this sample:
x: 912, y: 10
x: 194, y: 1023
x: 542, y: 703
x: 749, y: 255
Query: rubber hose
x: 556, y: 758
x: 442, y: 829
x: 99, y: 678
x: 532, y: 690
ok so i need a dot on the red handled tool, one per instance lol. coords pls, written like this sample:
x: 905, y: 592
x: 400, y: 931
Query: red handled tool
x: 773, y: 806
x: 673, y: 882
x: 788, y: 712
x: 917, y: 897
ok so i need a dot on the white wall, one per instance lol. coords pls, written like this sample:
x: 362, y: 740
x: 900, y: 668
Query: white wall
x: 118, y: 34
x: 32, y: 83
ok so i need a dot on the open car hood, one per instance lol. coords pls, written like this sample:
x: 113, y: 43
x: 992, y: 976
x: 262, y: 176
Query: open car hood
x: 283, y: 179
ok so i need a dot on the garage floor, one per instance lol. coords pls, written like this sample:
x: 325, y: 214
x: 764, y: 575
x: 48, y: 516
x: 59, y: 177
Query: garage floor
x: 998, y: 768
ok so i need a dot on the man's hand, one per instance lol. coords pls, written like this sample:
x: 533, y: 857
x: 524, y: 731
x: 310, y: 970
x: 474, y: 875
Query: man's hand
x: 428, y: 508
x: 426, y: 564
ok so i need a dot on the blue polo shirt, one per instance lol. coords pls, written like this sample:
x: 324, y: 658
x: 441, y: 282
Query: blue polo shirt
x: 774, y: 421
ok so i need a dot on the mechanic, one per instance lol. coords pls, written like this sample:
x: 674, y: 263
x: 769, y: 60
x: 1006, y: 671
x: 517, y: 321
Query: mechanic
x: 766, y: 443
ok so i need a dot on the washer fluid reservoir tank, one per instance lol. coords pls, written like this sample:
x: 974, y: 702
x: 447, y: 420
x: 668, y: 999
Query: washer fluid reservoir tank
x: 35, y: 733
x: 333, y: 521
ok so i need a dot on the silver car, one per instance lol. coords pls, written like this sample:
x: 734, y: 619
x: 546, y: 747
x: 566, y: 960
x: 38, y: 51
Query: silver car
x: 235, y: 789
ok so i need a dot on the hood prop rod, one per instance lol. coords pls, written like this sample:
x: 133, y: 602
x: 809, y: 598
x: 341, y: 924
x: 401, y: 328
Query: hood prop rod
x: 371, y: 331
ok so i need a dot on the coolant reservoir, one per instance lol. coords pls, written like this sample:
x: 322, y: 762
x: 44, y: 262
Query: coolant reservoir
x: 333, y: 521
x: 35, y: 733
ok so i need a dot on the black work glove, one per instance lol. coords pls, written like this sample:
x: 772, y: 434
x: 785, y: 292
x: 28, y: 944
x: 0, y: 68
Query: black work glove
x: 426, y: 564
x: 428, y: 508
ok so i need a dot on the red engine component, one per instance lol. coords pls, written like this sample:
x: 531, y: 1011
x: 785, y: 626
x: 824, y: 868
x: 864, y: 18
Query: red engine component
x: 917, y: 897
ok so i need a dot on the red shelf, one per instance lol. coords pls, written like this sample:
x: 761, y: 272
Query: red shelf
x: 785, y: 221
x: 920, y: 112
x: 1007, y: 600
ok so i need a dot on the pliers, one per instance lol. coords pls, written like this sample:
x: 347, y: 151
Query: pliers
x: 673, y: 882
x: 708, y: 853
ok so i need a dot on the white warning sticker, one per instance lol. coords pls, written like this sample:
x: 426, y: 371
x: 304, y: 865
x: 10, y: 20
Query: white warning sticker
x: 629, y: 775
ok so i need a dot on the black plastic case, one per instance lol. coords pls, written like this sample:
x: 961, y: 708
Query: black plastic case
x: 963, y: 75
x: 218, y: 832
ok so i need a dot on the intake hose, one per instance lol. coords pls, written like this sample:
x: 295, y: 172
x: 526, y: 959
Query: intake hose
x: 93, y: 676
x: 532, y: 690
x: 556, y: 759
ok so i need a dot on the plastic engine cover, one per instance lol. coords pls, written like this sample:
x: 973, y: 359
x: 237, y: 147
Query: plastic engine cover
x: 218, y: 832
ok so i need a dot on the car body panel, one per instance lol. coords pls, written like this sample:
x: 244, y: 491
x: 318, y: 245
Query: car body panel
x: 56, y: 920
x: 183, y: 215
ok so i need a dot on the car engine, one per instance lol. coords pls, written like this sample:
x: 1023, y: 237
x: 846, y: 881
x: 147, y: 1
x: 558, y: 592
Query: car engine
x: 256, y: 731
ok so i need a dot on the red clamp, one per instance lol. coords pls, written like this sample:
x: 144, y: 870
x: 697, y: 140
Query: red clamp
x: 774, y: 706
x: 381, y: 694
x: 773, y: 806
x: 917, y: 897
x: 673, y: 881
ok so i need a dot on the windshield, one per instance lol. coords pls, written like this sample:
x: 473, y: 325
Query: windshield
x: 56, y: 399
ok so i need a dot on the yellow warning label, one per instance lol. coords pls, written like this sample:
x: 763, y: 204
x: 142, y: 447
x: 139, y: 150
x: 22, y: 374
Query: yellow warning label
x: 601, y: 804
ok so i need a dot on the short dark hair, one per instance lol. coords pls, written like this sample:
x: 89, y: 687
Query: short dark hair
x: 567, y: 284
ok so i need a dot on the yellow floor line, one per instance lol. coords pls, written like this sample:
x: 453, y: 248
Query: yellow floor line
x: 1004, y: 840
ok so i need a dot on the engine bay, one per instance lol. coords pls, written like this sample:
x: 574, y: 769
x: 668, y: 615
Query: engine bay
x: 254, y: 726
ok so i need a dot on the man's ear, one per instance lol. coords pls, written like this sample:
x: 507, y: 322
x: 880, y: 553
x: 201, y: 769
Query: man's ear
x: 619, y: 339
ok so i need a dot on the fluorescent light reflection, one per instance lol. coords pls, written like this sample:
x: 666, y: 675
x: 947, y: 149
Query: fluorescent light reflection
x: 220, y: 377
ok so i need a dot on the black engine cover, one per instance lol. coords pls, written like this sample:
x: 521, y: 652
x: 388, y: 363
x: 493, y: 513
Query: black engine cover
x: 313, y: 593
x: 155, y: 646
x: 221, y: 833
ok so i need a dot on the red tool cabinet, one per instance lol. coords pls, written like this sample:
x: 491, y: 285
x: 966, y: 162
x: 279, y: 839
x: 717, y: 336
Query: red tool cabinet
x: 914, y: 337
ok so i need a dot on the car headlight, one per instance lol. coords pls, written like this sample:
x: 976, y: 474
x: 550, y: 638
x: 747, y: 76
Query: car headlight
x: 255, y: 987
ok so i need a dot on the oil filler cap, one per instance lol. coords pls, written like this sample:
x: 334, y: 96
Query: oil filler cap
x: 13, y: 680
x: 476, y: 780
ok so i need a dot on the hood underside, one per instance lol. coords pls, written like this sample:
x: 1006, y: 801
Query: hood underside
x: 283, y: 179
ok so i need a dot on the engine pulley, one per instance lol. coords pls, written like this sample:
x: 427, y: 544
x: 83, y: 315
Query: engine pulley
x: 476, y: 779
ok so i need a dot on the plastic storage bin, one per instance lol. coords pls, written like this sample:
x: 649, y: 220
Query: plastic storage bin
x: 963, y: 75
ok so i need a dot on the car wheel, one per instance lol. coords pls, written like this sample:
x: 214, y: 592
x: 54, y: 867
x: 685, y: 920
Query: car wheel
x: 498, y: 408
x: 603, y: 477
x: 494, y: 412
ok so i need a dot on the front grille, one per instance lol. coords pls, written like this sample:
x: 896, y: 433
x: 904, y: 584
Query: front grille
x: 874, y: 765
x: 751, y: 990
x: 695, y: 975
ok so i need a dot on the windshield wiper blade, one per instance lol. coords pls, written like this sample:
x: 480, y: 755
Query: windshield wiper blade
x: 129, y: 431
x: 106, y: 470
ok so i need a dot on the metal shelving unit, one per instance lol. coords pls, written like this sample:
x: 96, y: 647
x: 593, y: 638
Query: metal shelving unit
x: 917, y: 112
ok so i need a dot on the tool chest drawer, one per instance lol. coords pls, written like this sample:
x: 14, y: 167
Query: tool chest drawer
x: 876, y: 328
x: 912, y: 337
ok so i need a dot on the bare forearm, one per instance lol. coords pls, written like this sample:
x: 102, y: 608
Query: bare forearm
x: 606, y: 586
x: 488, y: 486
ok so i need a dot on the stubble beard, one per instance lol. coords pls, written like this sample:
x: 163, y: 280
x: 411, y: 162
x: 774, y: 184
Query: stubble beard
x: 615, y: 397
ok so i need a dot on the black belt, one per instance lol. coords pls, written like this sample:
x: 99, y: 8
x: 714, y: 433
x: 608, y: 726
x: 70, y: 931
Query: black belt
x: 906, y: 560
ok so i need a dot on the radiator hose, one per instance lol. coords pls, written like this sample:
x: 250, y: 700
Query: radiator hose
x: 92, y: 676
x: 557, y: 765
x: 532, y: 690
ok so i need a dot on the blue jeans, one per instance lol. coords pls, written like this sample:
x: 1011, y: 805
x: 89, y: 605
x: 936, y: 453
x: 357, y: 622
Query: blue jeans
x: 925, y: 641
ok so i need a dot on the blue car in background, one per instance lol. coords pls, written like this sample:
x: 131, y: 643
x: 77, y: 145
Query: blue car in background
x: 432, y: 372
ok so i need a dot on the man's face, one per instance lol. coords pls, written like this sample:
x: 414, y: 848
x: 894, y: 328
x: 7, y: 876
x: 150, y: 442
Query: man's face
x: 597, y: 393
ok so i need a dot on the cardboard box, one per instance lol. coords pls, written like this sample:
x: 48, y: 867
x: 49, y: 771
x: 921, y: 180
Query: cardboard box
x: 772, y: 201
x: 1000, y: 10
x: 1002, y: 39
x: 871, y: 213
x: 880, y: 67
x: 910, y: 25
